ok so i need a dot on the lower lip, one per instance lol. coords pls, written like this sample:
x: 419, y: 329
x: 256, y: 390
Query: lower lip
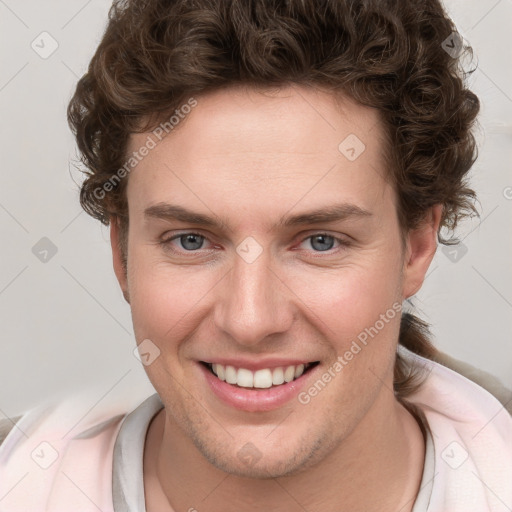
x: 255, y: 400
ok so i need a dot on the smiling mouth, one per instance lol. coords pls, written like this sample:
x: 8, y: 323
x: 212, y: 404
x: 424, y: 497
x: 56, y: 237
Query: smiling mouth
x: 260, y: 379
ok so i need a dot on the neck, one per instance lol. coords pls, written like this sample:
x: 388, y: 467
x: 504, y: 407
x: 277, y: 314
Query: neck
x: 377, y: 467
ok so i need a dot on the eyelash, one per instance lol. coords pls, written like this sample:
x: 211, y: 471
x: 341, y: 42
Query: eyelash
x: 166, y: 243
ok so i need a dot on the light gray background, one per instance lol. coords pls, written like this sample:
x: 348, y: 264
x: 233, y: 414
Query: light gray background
x: 64, y: 321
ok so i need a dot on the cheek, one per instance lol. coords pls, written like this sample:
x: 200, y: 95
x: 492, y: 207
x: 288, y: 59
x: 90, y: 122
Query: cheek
x: 165, y: 300
x: 348, y: 300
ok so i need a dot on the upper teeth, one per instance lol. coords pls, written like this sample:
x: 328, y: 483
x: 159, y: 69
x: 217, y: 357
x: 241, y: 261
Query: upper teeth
x: 263, y: 378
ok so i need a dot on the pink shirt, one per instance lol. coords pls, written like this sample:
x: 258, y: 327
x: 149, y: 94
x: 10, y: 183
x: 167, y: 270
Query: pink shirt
x: 49, y: 464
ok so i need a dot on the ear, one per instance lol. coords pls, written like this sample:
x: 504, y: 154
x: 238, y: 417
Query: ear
x: 420, y: 249
x: 119, y: 265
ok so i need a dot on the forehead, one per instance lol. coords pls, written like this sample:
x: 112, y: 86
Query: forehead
x: 262, y: 149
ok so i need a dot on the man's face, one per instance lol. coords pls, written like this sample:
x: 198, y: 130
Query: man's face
x: 258, y: 287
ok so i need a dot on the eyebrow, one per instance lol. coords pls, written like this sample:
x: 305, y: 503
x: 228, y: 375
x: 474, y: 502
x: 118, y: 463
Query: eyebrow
x: 332, y: 213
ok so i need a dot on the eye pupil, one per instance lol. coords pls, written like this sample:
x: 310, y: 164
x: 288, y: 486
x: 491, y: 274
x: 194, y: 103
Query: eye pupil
x: 191, y: 242
x: 324, y: 240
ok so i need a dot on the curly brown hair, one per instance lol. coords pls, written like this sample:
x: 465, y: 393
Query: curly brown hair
x: 391, y: 55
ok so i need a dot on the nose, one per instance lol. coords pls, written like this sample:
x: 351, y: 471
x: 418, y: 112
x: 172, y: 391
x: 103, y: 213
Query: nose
x: 253, y: 303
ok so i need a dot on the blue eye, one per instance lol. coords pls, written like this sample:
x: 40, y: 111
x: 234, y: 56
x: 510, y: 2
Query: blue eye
x: 321, y: 242
x: 188, y: 241
x: 194, y: 242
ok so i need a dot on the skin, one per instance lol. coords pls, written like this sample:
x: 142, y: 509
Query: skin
x: 250, y: 157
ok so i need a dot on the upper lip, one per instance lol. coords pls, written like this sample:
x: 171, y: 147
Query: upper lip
x: 259, y: 364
